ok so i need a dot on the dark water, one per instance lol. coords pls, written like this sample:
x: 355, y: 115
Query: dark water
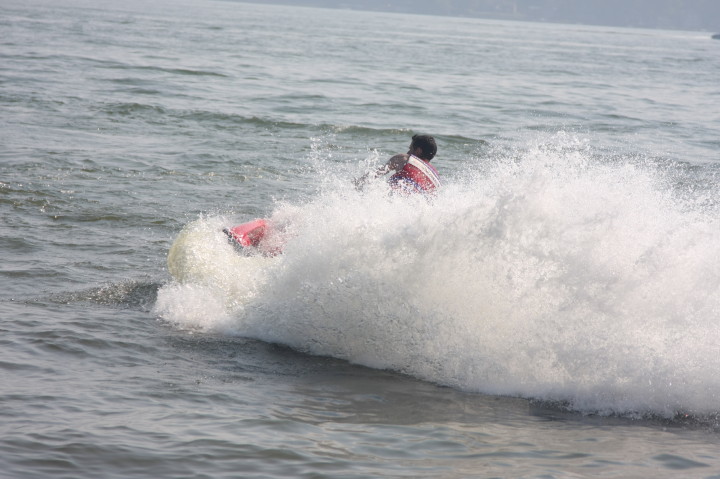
x: 552, y: 313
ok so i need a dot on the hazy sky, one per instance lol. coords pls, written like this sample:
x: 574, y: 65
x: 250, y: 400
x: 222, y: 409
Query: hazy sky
x: 671, y: 14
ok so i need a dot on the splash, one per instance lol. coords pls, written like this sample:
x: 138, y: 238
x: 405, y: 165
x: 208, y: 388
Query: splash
x: 553, y: 274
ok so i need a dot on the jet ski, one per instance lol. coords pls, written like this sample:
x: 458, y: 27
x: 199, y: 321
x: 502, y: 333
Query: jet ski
x: 252, y: 238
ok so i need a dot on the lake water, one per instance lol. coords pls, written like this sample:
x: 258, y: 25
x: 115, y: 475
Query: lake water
x: 552, y: 312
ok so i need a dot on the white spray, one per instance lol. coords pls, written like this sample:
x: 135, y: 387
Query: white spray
x: 551, y: 275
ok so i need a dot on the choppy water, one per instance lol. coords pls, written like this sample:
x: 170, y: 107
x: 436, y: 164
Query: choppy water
x: 552, y: 313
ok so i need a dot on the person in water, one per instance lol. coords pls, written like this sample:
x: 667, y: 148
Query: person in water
x: 413, y: 172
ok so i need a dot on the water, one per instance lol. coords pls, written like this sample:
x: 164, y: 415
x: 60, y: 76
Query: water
x: 552, y: 313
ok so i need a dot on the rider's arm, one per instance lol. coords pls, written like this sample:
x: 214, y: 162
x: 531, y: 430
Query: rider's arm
x: 393, y: 164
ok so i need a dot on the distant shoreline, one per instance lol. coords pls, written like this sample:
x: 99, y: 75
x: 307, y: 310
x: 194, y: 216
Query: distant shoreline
x: 666, y: 15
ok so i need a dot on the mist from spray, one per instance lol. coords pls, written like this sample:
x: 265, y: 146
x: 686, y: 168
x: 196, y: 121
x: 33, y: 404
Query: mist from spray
x: 548, y: 273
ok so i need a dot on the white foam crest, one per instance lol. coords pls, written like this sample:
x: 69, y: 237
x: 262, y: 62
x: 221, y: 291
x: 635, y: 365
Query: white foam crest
x: 552, y: 275
x: 212, y: 281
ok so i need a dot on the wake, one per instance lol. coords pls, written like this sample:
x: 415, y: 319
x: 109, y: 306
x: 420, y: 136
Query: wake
x: 555, y: 274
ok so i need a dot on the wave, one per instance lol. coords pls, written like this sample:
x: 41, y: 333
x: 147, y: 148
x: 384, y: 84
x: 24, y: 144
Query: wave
x: 551, y: 273
x: 130, y: 294
x: 174, y: 71
x: 219, y: 120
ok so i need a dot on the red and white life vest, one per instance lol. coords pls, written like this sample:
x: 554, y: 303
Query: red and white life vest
x: 417, y: 176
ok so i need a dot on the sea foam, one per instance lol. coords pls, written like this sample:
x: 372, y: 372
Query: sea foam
x: 551, y: 273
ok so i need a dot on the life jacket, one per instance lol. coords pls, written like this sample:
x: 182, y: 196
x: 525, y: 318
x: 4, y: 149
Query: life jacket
x: 417, y: 176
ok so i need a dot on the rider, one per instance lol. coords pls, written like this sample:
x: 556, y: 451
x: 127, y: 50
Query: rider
x: 413, y: 172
